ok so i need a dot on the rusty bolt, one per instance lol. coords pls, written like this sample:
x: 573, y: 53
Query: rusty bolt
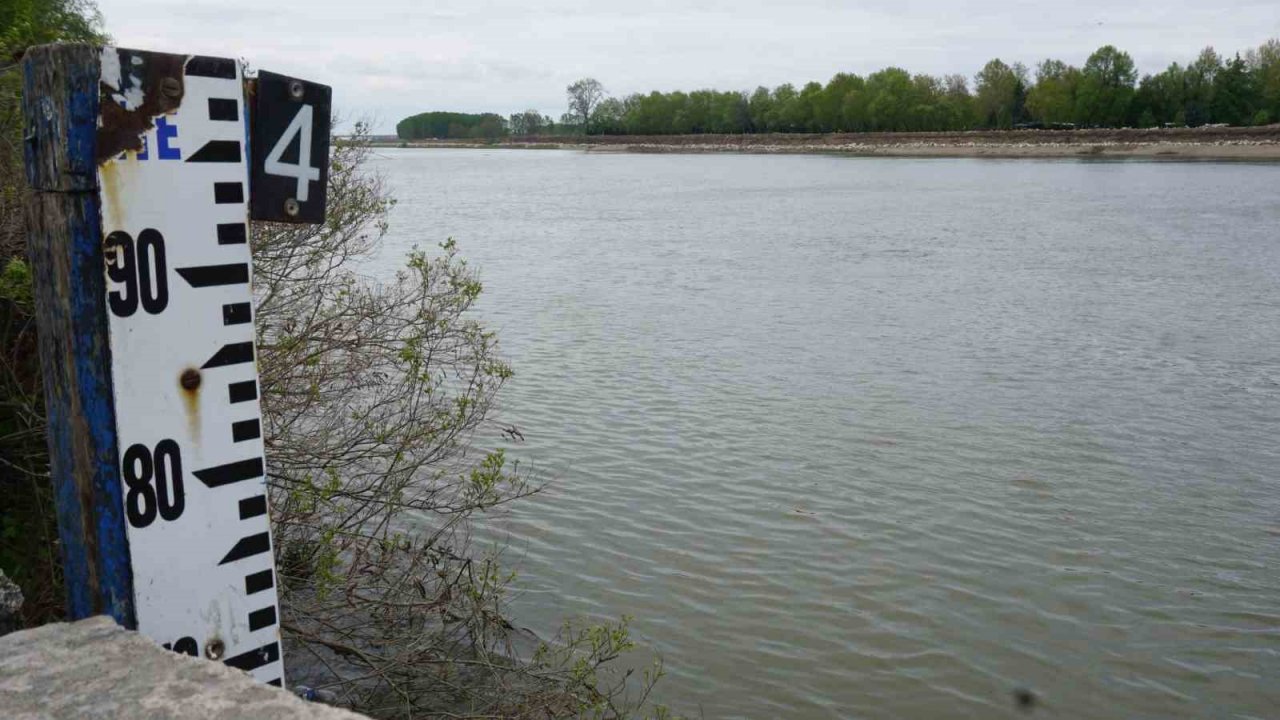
x: 214, y: 649
x: 296, y: 90
x: 170, y: 87
x: 291, y: 207
x: 190, y: 379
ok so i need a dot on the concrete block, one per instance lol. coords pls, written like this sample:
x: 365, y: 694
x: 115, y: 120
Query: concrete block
x: 94, y: 670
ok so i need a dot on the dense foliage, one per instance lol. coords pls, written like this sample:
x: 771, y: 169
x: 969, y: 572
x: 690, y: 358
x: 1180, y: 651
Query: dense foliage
x: 442, y: 125
x: 1105, y: 92
x: 371, y: 394
x: 487, y: 126
x: 34, y: 22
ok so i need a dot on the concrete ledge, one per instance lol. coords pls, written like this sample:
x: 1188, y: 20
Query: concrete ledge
x: 94, y: 669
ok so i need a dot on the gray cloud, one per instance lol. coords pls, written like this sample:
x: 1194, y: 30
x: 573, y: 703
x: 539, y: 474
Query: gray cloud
x: 391, y: 58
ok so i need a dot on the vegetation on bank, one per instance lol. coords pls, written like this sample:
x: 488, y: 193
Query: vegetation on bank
x: 372, y: 393
x: 451, y: 125
x: 439, y: 125
x: 1104, y: 92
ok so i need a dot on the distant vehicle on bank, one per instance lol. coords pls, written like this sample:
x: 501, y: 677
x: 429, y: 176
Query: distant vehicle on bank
x: 1036, y: 125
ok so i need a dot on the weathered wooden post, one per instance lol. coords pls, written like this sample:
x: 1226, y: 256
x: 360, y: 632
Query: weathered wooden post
x: 60, y: 92
x: 139, y: 165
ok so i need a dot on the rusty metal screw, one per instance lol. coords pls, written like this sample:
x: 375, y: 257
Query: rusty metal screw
x: 190, y: 379
x: 170, y: 87
x: 214, y: 649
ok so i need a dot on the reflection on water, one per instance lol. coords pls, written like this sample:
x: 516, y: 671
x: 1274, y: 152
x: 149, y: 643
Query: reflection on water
x: 890, y: 438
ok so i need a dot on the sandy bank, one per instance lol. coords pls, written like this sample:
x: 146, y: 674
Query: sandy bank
x: 1262, y: 143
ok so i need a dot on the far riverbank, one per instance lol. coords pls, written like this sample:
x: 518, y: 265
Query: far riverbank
x: 1245, y: 143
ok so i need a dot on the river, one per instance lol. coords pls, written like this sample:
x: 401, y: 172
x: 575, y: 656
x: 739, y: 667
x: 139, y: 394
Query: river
x: 889, y: 438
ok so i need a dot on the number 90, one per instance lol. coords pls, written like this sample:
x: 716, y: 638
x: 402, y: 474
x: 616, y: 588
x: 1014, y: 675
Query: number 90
x: 140, y: 268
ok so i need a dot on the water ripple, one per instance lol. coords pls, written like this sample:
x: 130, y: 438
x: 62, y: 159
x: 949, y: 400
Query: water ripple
x: 890, y: 438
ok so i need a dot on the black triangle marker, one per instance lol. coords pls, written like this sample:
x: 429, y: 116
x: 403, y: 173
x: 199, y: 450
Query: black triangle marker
x: 248, y: 547
x: 233, y: 472
x: 264, y: 655
x: 212, y: 275
x: 230, y: 354
x: 217, y: 151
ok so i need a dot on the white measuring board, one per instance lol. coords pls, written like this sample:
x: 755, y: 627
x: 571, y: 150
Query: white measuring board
x: 180, y: 306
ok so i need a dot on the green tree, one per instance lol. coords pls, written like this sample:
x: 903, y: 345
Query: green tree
x: 1101, y: 93
x: 608, y: 117
x: 1161, y: 98
x: 807, y: 106
x: 1053, y: 97
x: 926, y: 103
x: 35, y: 22
x: 1106, y: 88
x: 729, y: 112
x: 652, y: 114
x: 583, y: 97
x: 1264, y: 64
x: 1234, y: 95
x: 741, y: 113
x: 855, y: 114
x: 1001, y: 94
x: 760, y: 108
x: 826, y: 107
x: 443, y: 125
x: 678, y: 106
x: 490, y: 127
x: 1198, y: 87
x: 891, y: 100
x: 957, y: 104
x: 528, y: 122
x: 784, y: 113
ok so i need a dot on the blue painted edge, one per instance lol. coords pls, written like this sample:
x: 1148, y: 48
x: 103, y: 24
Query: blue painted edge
x: 93, y: 367
x: 80, y: 406
x: 97, y: 405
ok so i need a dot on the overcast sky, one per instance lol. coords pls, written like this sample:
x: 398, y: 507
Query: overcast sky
x: 390, y: 58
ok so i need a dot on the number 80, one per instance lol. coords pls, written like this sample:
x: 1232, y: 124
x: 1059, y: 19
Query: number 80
x: 144, y: 499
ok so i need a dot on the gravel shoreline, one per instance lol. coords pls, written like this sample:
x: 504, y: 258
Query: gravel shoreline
x: 1259, y: 144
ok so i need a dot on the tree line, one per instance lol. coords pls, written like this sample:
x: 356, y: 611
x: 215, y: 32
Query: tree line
x: 1104, y: 92
x: 483, y: 126
x: 451, y: 125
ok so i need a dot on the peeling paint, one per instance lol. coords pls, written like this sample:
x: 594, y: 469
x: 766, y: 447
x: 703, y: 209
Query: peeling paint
x: 112, y: 186
x: 132, y: 99
x: 129, y: 94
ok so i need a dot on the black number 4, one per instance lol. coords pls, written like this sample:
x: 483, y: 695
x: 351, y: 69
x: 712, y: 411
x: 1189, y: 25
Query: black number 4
x: 132, y: 266
x: 144, y: 499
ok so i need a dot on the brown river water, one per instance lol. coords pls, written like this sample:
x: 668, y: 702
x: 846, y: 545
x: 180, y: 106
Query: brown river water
x: 889, y: 438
